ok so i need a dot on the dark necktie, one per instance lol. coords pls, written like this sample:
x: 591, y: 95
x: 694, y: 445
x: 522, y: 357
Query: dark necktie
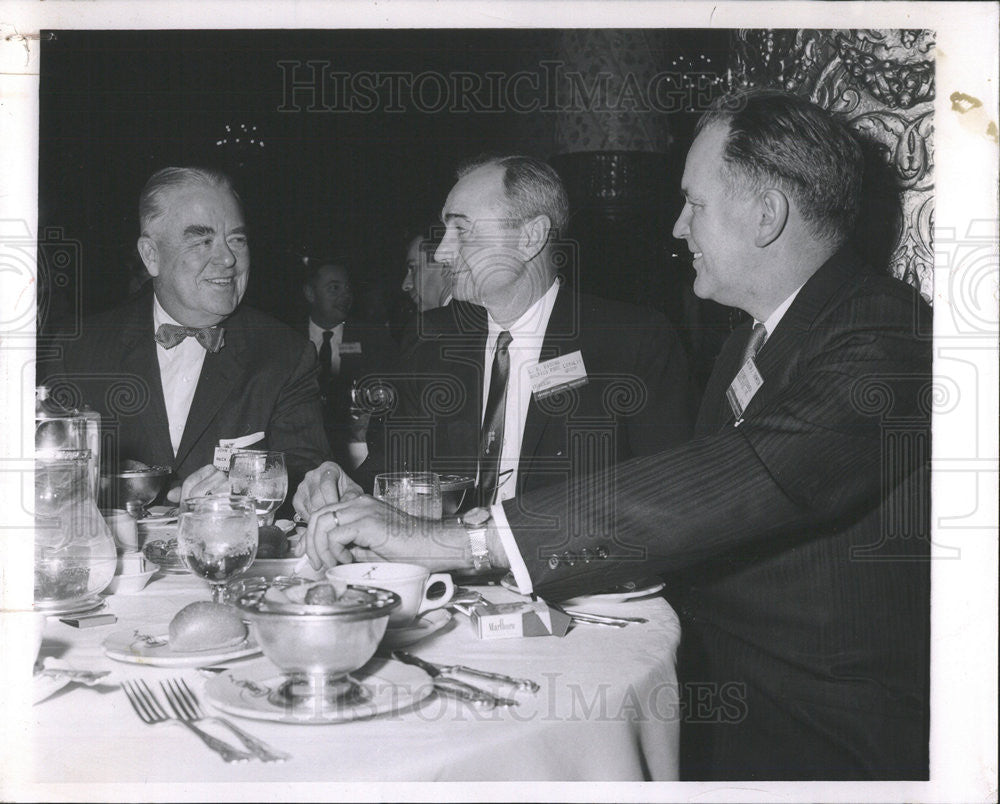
x: 491, y: 436
x: 169, y: 335
x: 325, y: 358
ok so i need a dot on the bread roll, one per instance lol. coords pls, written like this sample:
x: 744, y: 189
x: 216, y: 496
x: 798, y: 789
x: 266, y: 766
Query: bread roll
x: 206, y: 626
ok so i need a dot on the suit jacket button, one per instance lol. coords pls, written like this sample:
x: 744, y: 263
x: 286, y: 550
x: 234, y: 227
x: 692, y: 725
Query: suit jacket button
x: 602, y: 552
x: 553, y: 562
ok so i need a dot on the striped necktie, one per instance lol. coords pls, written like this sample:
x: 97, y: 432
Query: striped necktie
x: 491, y: 435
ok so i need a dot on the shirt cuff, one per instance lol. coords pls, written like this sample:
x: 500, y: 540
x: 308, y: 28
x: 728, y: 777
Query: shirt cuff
x: 517, y: 566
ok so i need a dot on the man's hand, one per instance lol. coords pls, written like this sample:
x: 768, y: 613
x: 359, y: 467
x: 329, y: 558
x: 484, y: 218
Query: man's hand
x: 325, y: 484
x: 365, y: 529
x: 207, y: 480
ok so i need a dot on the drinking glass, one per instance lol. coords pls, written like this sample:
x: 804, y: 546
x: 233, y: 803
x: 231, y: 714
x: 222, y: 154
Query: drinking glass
x: 260, y: 475
x: 217, y: 538
x: 415, y: 493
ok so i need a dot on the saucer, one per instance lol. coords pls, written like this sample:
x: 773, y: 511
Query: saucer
x: 388, y: 686
x: 136, y: 647
x: 426, y: 624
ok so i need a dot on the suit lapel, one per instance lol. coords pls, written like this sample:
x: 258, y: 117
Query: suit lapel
x: 219, y: 375
x: 777, y: 355
x: 561, y: 337
x: 138, y: 357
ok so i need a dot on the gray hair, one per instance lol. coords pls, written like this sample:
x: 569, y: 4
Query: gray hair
x: 530, y: 185
x: 151, y: 206
x: 779, y: 139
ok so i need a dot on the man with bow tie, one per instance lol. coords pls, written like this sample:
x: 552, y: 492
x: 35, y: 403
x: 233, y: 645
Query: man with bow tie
x: 181, y: 371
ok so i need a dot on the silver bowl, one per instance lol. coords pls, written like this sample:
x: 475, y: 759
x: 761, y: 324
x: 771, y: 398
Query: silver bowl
x: 316, y: 646
x: 134, y: 490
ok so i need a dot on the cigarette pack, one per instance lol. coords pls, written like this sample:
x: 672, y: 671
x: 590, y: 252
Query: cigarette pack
x: 522, y: 619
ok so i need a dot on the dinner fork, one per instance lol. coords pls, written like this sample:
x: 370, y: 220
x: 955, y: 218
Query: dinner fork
x: 150, y: 712
x: 183, y: 701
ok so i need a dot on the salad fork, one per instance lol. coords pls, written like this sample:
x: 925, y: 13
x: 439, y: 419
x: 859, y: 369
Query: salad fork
x: 148, y: 708
x: 183, y: 701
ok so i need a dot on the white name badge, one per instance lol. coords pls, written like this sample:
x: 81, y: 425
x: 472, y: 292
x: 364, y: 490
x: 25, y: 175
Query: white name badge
x: 743, y: 388
x: 557, y: 374
x: 352, y: 348
x: 227, y: 446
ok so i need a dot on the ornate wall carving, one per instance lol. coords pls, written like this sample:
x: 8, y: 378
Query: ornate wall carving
x: 882, y: 81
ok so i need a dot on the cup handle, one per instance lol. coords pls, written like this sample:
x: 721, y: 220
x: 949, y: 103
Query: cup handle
x: 449, y: 591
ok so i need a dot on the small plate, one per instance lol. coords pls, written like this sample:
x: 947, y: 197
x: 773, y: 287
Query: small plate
x: 421, y: 628
x: 617, y: 594
x: 136, y: 647
x: 391, y: 686
x: 159, y: 515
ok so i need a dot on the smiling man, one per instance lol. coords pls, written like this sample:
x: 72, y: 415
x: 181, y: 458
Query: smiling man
x: 796, y: 524
x: 182, y: 371
x: 522, y: 380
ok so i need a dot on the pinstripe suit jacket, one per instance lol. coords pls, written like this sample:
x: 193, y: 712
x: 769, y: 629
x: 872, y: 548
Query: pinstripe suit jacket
x: 262, y: 380
x: 798, y: 540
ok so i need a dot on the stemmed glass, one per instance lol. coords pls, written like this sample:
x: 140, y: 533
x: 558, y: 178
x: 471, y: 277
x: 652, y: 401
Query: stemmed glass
x: 262, y: 476
x: 217, y: 538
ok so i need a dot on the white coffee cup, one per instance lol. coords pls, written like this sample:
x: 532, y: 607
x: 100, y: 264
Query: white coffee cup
x: 123, y: 528
x: 411, y: 582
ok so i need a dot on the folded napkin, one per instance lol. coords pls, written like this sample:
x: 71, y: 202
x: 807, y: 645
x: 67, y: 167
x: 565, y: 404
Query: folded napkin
x: 52, y: 675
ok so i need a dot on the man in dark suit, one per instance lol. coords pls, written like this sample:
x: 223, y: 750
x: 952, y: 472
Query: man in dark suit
x: 181, y: 367
x: 796, y: 521
x: 586, y: 382
x: 348, y: 350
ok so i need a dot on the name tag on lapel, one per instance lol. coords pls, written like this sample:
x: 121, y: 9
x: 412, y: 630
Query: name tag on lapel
x: 743, y: 388
x: 351, y: 348
x: 558, y: 374
x: 227, y: 446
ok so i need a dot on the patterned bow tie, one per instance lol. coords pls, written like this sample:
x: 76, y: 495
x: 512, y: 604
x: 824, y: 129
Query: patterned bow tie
x: 169, y: 335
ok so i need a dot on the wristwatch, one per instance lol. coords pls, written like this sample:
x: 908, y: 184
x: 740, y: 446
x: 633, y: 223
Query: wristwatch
x: 475, y: 521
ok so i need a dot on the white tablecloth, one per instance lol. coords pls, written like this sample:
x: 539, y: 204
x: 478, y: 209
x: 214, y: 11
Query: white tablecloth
x: 607, y: 710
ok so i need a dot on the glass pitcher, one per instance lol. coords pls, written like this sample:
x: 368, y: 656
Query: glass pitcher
x: 75, y: 553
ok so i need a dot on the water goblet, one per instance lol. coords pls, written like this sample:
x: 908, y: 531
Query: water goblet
x: 262, y: 476
x: 217, y: 538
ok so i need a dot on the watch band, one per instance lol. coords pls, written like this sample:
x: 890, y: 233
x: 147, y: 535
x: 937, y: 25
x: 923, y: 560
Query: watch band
x: 475, y: 521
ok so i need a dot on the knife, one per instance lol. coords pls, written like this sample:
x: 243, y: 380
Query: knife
x: 452, y: 686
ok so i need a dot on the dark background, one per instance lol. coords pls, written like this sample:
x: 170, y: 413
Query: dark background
x: 116, y: 106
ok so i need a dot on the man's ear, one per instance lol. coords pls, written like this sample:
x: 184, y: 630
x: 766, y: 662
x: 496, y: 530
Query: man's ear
x: 773, y: 211
x: 147, y: 250
x: 534, y: 236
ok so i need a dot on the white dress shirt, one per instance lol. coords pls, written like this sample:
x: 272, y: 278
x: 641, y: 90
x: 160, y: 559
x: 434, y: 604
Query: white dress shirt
x: 517, y: 566
x: 180, y: 369
x: 527, y: 336
x: 316, y: 336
